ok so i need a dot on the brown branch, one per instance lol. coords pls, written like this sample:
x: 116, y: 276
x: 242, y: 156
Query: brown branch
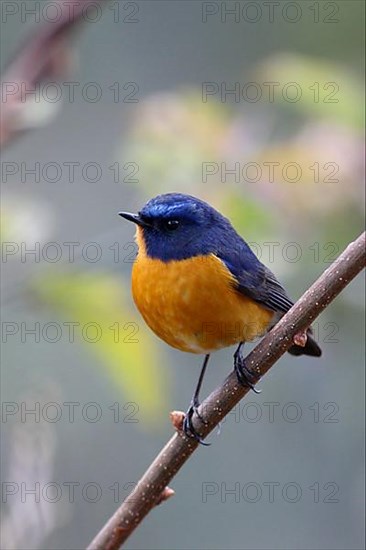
x: 44, y: 57
x: 148, y: 491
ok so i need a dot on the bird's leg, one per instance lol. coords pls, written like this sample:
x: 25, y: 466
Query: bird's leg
x: 188, y: 427
x: 244, y: 375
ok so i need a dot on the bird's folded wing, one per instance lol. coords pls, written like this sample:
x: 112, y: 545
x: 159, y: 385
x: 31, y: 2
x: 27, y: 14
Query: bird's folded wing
x: 255, y: 280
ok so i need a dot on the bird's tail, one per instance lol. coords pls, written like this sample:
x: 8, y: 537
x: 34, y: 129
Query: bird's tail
x: 311, y: 347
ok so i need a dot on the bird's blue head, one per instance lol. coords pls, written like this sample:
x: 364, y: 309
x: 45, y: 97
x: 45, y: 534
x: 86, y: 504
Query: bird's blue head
x: 176, y: 227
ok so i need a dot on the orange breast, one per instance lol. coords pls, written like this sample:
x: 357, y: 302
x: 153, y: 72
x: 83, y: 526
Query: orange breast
x: 192, y: 304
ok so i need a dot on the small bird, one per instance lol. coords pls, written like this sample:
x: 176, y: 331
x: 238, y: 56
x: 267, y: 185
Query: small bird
x: 200, y: 287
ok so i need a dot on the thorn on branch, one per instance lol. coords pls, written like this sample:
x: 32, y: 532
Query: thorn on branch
x: 300, y: 338
x: 164, y: 495
x: 177, y: 418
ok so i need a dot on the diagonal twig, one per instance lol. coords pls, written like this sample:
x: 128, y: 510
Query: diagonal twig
x: 152, y: 487
x: 44, y: 57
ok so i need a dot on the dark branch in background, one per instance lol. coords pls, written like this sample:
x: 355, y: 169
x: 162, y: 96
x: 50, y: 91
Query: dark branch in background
x: 44, y: 57
x: 153, y: 488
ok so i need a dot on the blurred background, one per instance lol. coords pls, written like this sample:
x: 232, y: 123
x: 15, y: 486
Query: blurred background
x: 256, y: 107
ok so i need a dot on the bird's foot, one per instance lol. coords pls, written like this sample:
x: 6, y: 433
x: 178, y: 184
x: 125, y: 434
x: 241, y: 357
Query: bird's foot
x: 244, y: 375
x: 188, y: 428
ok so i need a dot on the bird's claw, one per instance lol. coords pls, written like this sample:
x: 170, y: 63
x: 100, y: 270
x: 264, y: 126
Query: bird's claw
x: 188, y: 428
x: 244, y: 375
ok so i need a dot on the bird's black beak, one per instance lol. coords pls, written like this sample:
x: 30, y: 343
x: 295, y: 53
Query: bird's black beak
x: 135, y: 218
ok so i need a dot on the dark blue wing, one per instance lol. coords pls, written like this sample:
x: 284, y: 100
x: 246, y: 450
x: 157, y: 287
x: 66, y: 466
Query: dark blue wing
x: 253, y: 278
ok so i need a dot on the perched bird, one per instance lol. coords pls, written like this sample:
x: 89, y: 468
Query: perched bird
x: 199, y: 286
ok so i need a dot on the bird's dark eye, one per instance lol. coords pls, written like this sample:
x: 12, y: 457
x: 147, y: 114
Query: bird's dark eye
x: 171, y: 225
